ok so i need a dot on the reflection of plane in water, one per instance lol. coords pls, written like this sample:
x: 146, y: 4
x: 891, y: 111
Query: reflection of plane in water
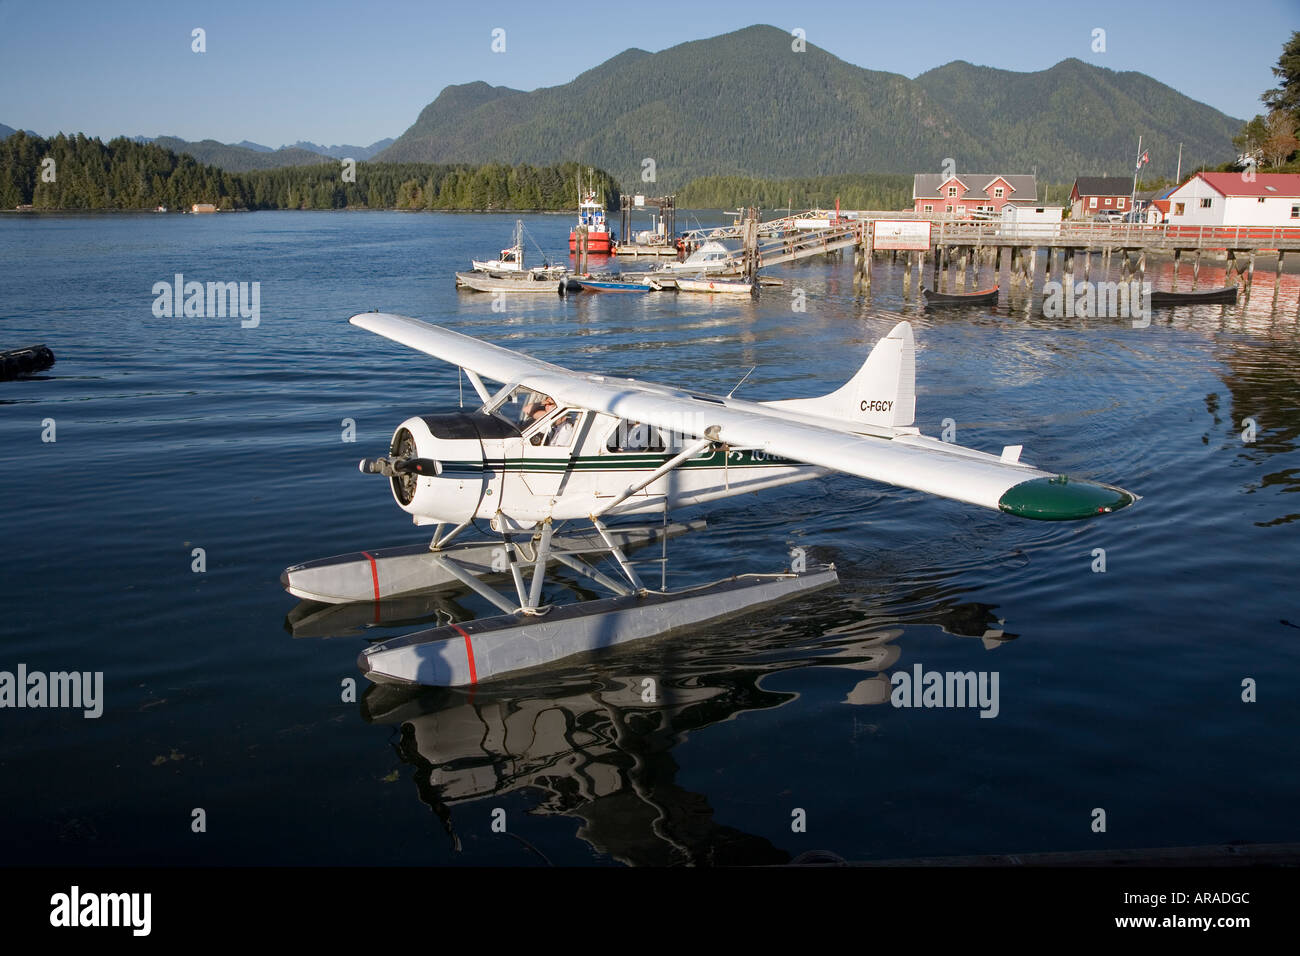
x: 597, y: 752
x: 593, y: 746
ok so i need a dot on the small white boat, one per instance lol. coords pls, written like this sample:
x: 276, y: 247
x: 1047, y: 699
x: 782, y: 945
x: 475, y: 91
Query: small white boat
x: 723, y: 286
x: 511, y: 259
x: 713, y: 256
x: 534, y: 280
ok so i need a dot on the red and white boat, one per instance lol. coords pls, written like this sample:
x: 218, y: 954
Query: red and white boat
x: 591, y: 213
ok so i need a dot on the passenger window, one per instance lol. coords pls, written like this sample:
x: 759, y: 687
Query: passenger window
x: 635, y: 437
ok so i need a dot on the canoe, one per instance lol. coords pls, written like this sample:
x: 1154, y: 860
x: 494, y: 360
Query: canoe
x: 982, y: 297
x: 727, y: 286
x: 600, y: 285
x: 1227, y: 294
x: 18, y: 362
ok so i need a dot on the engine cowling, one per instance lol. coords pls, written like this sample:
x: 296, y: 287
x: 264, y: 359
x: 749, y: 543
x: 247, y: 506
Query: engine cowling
x: 437, y: 468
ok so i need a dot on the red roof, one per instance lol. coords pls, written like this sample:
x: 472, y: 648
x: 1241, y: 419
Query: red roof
x: 1234, y: 184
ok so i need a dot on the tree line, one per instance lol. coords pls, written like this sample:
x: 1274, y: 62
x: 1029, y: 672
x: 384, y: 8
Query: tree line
x: 78, y: 172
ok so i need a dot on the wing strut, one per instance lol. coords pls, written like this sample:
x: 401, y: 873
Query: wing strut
x: 690, y: 452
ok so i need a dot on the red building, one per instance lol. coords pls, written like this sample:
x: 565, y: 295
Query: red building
x: 1093, y: 195
x: 970, y: 195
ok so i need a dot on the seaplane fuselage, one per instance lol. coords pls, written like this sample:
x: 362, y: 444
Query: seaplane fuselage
x: 567, y: 463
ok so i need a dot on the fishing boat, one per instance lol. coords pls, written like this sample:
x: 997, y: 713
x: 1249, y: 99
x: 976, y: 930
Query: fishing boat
x: 510, y: 260
x: 721, y: 286
x: 591, y: 213
x: 1228, y: 294
x: 980, y: 297
x: 534, y: 280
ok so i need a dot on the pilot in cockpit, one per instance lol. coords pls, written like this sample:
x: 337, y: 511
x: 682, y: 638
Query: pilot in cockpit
x: 535, y: 411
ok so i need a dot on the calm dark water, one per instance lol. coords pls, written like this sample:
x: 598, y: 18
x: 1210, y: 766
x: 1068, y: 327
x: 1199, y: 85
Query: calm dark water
x: 1118, y: 690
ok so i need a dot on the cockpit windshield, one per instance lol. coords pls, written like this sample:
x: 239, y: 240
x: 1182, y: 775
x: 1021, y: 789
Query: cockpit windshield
x: 524, y: 406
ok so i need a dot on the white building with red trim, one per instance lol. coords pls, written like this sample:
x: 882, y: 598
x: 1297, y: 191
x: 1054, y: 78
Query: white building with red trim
x: 1234, y: 199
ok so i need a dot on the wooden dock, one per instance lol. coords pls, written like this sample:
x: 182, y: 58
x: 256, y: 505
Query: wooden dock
x: 958, y: 246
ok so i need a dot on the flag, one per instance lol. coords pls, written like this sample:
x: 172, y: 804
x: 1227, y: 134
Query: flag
x: 1145, y: 158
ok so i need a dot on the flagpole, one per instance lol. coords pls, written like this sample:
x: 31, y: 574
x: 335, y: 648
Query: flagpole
x: 1136, y: 167
x: 1179, y: 175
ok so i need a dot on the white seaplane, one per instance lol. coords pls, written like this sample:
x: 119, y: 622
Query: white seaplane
x: 551, y: 445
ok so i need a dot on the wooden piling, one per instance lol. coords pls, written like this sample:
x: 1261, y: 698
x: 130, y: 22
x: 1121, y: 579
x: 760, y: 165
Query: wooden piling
x: 1196, y: 269
x: 868, y: 244
x: 1250, y: 273
x: 1178, y: 260
x: 1142, y: 265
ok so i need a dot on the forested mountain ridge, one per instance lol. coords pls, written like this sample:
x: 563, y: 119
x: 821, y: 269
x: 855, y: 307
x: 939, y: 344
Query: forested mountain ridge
x: 86, y: 174
x: 746, y: 104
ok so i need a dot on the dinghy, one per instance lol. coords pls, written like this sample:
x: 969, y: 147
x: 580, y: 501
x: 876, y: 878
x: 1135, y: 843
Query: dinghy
x: 1228, y: 294
x: 981, y: 297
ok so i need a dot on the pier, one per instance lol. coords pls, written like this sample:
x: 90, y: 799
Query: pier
x: 958, y: 248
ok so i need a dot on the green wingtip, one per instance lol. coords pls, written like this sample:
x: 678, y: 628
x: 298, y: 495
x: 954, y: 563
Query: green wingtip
x: 1063, y: 499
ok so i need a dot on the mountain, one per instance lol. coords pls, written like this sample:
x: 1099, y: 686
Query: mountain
x: 7, y: 131
x: 745, y: 104
x: 239, y: 159
x: 255, y: 147
x: 359, y: 153
x: 1085, y: 120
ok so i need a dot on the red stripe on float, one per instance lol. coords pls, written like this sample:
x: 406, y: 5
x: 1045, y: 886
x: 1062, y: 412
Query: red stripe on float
x: 469, y: 653
x: 374, y: 573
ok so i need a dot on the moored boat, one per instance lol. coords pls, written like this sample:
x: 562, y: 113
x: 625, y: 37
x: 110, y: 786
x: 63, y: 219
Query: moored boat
x: 712, y: 257
x: 980, y: 297
x: 535, y: 280
x: 611, y: 285
x: 591, y: 213
x: 721, y: 286
x: 510, y: 260
x: 1228, y: 294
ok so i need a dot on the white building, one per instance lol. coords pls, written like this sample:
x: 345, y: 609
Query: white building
x: 1026, y: 221
x: 1234, y: 199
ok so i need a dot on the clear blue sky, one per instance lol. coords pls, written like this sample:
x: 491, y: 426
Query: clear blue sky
x: 357, y: 71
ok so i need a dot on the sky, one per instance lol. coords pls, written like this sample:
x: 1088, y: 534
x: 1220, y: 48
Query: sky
x: 356, y: 71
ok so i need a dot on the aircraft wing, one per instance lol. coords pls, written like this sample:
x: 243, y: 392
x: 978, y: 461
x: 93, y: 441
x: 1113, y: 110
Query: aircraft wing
x: 897, y: 456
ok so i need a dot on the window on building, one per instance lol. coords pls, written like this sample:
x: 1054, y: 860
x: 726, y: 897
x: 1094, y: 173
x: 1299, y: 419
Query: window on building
x: 952, y: 190
x: 948, y: 208
x: 1295, y: 210
x: 962, y: 210
x: 1260, y: 199
x: 929, y: 207
x: 998, y: 192
x: 1120, y: 202
x: 1092, y: 202
x: 1180, y: 208
x: 1207, y: 202
x: 1107, y: 200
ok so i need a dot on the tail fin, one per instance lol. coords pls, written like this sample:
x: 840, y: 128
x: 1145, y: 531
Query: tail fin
x: 882, y: 393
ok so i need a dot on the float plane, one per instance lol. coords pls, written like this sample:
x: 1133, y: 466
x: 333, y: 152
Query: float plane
x: 550, y: 446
